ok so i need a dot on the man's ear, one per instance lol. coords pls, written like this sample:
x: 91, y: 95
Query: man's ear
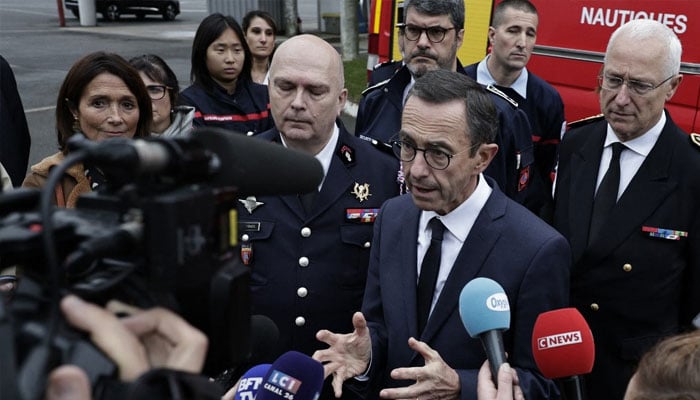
x: 485, y: 154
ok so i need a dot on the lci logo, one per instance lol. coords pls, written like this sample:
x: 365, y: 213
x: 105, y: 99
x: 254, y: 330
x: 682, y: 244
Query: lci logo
x: 498, y: 302
x: 283, y: 381
x: 560, y: 339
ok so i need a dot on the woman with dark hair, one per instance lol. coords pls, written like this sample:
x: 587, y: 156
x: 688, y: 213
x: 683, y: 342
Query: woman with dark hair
x: 169, y: 119
x: 102, y: 97
x: 222, y: 92
x: 260, y: 32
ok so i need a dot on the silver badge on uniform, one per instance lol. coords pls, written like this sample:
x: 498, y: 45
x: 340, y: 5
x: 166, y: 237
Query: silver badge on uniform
x: 361, y: 191
x: 251, y: 203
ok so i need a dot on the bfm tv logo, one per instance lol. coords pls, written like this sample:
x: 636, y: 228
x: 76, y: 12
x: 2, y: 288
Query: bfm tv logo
x: 558, y: 340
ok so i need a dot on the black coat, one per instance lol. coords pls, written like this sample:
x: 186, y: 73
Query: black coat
x: 14, y: 132
x: 632, y: 286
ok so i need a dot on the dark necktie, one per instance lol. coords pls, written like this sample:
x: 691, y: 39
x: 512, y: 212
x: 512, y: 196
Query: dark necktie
x: 429, y: 273
x: 606, y: 197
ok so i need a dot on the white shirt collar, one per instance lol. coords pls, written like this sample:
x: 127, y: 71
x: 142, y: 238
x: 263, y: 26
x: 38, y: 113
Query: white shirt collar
x: 643, y: 144
x: 461, y: 220
x: 484, y: 77
x: 326, y: 154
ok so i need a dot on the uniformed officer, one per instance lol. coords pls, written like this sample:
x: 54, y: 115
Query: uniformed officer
x: 626, y: 199
x: 429, y: 39
x: 309, y: 254
x: 512, y: 38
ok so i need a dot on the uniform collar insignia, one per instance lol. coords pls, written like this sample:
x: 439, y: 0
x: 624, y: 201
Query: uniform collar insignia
x: 695, y: 138
x: 251, y: 203
x: 361, y: 191
x: 346, y: 154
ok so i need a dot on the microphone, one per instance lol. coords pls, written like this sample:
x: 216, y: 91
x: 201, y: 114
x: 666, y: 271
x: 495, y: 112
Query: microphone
x: 251, y: 382
x: 563, y: 347
x: 485, y: 313
x: 292, y: 376
x: 214, y: 155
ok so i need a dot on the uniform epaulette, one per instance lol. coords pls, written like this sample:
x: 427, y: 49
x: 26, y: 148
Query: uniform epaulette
x: 499, y: 93
x: 585, y: 121
x: 695, y: 138
x: 385, y: 64
x: 378, y: 144
x: 376, y: 86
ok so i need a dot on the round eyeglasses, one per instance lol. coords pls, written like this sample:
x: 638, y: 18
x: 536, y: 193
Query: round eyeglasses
x: 640, y: 88
x: 435, y: 158
x: 157, y: 92
x: 436, y: 34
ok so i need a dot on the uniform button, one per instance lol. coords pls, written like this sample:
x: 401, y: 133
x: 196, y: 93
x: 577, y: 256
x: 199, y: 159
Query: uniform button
x: 245, y: 237
x: 302, y: 292
x: 305, y: 231
x: 367, y: 244
x: 303, y: 261
x: 627, y: 267
x: 594, y: 306
x: 250, y: 133
x: 300, y: 321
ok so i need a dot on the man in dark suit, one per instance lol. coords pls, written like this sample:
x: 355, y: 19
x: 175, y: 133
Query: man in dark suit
x: 309, y: 253
x: 626, y: 199
x: 429, y: 37
x: 446, y: 142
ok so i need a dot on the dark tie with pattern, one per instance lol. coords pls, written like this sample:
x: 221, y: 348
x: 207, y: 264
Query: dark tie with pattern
x: 606, y: 197
x: 429, y: 273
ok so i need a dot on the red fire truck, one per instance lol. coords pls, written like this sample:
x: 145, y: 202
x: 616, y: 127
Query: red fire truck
x: 571, y: 40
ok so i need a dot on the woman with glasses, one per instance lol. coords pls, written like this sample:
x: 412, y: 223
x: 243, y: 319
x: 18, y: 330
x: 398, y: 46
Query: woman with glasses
x: 161, y: 83
x: 260, y: 32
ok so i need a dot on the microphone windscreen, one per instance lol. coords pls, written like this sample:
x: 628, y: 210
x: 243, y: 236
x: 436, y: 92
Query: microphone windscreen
x: 264, y: 338
x: 251, y: 382
x: 292, y: 376
x: 562, y: 344
x: 259, y: 167
x: 483, y: 306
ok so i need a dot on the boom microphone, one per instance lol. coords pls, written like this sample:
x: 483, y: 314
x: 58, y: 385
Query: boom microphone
x: 563, y: 347
x: 485, y: 313
x: 292, y: 376
x: 218, y: 156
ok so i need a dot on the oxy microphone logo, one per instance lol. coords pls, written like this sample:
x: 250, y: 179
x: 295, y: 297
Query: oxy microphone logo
x: 279, y: 382
x: 558, y: 340
x: 498, y: 302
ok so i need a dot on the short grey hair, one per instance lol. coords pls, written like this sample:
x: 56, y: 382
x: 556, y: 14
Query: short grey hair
x: 644, y: 29
x: 453, y: 8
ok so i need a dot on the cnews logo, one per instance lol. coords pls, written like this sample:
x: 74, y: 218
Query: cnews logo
x: 498, y: 302
x: 558, y: 340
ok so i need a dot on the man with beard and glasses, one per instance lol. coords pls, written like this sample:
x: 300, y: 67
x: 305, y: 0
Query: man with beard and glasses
x: 431, y: 34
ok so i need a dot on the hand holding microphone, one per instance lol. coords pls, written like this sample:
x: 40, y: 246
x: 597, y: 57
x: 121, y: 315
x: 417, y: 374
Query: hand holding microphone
x: 485, y: 313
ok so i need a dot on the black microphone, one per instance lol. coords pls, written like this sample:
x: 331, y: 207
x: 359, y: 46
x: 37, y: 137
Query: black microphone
x: 218, y: 156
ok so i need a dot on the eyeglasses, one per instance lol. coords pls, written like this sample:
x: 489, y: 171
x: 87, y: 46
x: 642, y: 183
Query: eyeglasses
x: 435, y: 158
x: 157, y: 92
x: 640, y: 88
x: 436, y: 34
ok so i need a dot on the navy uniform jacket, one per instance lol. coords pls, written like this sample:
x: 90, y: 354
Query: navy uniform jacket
x: 383, y: 71
x: 633, y: 284
x: 545, y: 111
x: 508, y: 244
x: 379, y: 117
x: 309, y: 271
x: 14, y: 131
x: 246, y: 111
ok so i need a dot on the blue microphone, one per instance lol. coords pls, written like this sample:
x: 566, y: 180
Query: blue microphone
x: 485, y: 313
x: 292, y: 376
x: 251, y: 382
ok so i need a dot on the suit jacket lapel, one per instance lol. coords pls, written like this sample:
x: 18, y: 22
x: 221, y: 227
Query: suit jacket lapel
x: 584, y: 173
x: 472, y: 256
x: 648, y: 188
